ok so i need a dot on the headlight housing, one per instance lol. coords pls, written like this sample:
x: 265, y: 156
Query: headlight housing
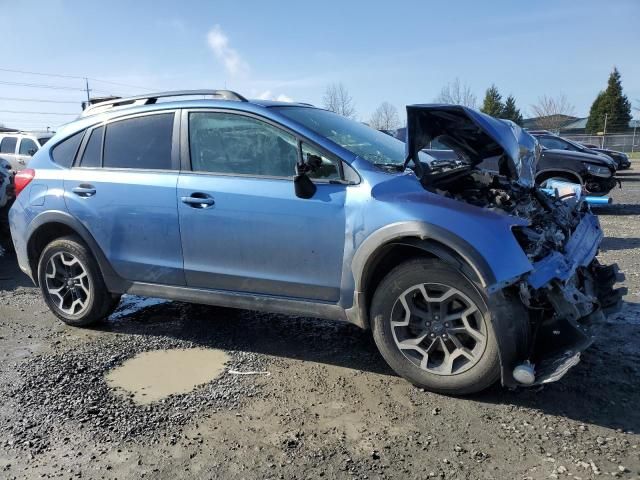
x: 598, y: 171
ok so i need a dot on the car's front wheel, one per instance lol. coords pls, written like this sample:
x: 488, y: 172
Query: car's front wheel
x: 432, y: 326
x: 71, y: 283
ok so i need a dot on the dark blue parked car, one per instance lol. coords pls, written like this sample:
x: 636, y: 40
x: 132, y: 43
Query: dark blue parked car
x: 464, y: 276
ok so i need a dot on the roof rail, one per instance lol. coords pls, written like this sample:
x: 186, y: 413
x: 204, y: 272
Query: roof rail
x: 152, y: 98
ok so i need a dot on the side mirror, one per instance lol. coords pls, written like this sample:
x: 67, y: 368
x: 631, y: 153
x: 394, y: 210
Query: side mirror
x: 303, y: 185
x: 31, y: 152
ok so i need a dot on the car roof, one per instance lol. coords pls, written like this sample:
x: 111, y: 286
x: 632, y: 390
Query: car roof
x: 118, y: 103
x: 111, y: 109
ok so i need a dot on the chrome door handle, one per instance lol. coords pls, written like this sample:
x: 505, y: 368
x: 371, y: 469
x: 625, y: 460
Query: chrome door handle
x: 199, y: 200
x: 84, y: 190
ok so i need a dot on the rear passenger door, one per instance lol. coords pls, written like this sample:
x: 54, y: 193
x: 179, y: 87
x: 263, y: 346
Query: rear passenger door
x: 243, y: 228
x: 122, y: 187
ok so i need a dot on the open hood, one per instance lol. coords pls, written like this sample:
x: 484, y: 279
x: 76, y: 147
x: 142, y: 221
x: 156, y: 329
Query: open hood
x: 475, y: 136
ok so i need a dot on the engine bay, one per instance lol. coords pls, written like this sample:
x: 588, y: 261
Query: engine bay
x: 552, y: 220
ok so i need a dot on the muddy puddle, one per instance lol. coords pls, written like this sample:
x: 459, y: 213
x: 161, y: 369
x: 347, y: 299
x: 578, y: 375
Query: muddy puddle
x: 152, y: 376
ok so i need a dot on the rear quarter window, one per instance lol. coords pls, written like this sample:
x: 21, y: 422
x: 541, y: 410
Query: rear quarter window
x: 65, y: 152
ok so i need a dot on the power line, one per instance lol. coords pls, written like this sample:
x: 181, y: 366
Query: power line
x: 53, y: 87
x: 39, y: 85
x: 39, y: 73
x: 38, y: 113
x: 78, y: 77
x: 75, y: 102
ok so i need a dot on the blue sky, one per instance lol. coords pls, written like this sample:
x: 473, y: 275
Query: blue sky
x: 401, y: 52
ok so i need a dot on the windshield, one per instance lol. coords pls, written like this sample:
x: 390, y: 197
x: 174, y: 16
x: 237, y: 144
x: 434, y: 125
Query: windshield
x: 44, y: 140
x: 372, y: 145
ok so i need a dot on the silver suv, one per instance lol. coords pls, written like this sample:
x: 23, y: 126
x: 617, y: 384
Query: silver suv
x: 18, y: 147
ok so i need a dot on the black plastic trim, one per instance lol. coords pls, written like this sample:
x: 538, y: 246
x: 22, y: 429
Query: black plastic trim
x: 115, y: 283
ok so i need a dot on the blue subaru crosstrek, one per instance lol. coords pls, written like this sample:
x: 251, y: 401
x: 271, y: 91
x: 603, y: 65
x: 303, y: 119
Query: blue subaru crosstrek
x: 464, y: 275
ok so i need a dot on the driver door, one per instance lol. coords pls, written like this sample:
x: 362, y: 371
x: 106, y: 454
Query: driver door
x: 242, y: 227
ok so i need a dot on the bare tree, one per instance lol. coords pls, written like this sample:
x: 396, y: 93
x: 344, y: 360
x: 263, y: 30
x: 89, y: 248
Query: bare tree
x: 456, y: 93
x: 337, y: 99
x: 552, y: 112
x: 385, y: 117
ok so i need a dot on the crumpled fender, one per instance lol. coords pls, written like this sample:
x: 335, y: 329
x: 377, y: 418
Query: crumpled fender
x: 482, y: 237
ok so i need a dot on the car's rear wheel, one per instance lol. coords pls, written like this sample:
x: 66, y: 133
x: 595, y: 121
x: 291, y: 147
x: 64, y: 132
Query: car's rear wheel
x: 71, y: 283
x: 432, y: 326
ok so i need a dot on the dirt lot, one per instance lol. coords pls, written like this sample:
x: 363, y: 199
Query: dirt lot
x: 329, y: 406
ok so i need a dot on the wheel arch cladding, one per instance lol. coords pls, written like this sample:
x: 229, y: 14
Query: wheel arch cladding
x: 511, y: 331
x: 53, y: 224
x: 418, y: 238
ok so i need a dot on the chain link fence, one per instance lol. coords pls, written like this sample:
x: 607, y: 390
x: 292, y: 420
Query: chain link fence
x: 622, y: 142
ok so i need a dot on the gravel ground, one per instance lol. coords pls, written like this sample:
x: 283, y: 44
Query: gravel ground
x: 330, y: 406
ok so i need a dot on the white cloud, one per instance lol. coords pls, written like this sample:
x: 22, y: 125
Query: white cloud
x: 233, y: 63
x: 267, y: 95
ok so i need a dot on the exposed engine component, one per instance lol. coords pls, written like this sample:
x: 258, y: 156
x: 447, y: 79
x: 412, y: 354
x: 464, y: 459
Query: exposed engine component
x: 552, y: 219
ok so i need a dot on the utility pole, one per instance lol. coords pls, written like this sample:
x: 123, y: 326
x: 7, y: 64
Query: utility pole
x: 604, y: 133
x: 86, y: 86
x: 633, y: 142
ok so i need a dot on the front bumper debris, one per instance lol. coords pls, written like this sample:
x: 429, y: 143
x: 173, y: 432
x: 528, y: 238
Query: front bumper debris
x: 579, y: 293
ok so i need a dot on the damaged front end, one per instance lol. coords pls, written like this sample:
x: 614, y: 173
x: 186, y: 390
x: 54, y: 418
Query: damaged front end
x: 542, y: 318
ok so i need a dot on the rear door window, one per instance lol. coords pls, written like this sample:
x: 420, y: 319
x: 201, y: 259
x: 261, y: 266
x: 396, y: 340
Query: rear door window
x: 93, y: 151
x: 8, y: 145
x: 139, y: 142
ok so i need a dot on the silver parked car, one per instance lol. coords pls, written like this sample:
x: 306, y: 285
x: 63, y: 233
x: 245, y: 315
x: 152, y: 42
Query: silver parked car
x: 18, y: 147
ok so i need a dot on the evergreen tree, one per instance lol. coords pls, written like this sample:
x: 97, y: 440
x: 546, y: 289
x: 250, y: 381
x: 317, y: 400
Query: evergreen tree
x: 612, y: 104
x: 492, y: 104
x: 595, y: 122
x: 510, y: 111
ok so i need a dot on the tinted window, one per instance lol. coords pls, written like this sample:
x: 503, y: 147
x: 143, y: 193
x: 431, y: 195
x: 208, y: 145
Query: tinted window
x: 8, y: 145
x: 141, y: 142
x: 234, y: 144
x: 328, y: 169
x: 93, y: 150
x: 27, y: 147
x: 553, y: 143
x: 43, y: 141
x: 65, y: 152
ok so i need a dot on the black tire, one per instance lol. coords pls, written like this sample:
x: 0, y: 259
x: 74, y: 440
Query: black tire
x: 99, y: 302
x: 479, y: 376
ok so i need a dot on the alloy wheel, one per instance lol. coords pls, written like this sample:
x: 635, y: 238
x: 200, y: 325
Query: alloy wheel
x: 67, y: 283
x: 438, y: 328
